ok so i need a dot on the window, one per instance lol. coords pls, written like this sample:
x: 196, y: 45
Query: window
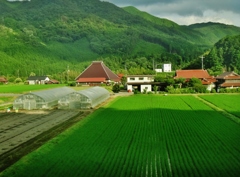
x: 132, y: 79
x: 140, y: 78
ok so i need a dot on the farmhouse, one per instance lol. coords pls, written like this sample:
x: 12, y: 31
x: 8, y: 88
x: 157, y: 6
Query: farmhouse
x: 140, y: 82
x: 46, y: 99
x: 203, y: 75
x: 84, y: 99
x: 32, y: 80
x: 3, y: 80
x: 228, y: 80
x: 97, y: 73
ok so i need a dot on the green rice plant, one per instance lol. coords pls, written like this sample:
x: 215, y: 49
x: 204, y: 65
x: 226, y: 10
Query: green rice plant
x: 143, y: 135
x: 11, y: 88
x: 227, y: 102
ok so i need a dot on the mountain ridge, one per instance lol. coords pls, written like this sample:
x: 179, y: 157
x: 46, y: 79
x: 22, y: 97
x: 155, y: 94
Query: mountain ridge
x: 76, y: 32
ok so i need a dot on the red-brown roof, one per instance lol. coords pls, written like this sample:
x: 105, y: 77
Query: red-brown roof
x: 2, y: 79
x: 208, y: 81
x: 98, y: 70
x: 52, y: 81
x: 188, y: 74
x: 225, y: 84
x: 203, y: 75
x: 91, y: 80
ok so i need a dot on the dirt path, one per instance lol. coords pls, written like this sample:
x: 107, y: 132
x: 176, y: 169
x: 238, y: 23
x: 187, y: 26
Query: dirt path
x: 225, y: 113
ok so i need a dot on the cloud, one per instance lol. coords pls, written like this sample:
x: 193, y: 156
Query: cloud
x: 188, y: 11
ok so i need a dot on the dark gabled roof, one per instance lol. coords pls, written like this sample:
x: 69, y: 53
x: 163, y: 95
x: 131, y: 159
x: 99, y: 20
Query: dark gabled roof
x: 97, y: 70
x: 37, y: 77
x: 228, y: 75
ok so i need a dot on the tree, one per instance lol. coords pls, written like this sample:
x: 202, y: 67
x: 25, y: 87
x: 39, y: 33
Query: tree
x: 180, y: 81
x: 170, y: 81
x: 193, y: 81
x: 124, y: 80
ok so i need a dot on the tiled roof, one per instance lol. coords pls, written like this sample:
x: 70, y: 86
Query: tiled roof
x: 53, y: 81
x: 228, y: 75
x: 98, y: 70
x: 2, y: 79
x: 91, y: 80
x: 208, y: 81
x: 230, y: 84
x: 188, y: 74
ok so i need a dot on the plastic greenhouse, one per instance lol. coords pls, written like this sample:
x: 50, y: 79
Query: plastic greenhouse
x: 84, y: 99
x: 45, y: 99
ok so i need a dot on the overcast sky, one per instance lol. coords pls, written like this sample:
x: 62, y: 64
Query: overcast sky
x: 185, y: 12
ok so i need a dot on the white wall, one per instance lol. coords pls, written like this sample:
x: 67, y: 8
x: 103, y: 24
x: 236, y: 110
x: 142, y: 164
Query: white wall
x: 147, y: 87
x: 137, y: 79
x: 167, y: 68
x: 129, y: 87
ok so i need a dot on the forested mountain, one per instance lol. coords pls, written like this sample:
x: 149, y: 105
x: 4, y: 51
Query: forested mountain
x: 47, y: 37
x: 224, y: 55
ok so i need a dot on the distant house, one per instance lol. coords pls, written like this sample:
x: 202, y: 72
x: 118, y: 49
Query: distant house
x: 167, y: 67
x: 97, y: 73
x: 52, y: 81
x: 3, y: 80
x: 140, y: 82
x: 228, y: 80
x: 32, y: 80
x: 203, y: 75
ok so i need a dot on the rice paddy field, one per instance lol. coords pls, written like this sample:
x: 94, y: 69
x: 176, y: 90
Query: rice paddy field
x: 141, y: 136
x: 229, y: 103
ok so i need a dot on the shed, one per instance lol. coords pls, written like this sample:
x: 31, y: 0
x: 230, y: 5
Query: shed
x: 45, y: 99
x: 84, y: 99
x: 3, y: 80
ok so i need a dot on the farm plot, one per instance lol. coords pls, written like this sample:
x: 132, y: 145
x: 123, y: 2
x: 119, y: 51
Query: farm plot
x: 18, y: 128
x: 227, y: 102
x: 143, y: 135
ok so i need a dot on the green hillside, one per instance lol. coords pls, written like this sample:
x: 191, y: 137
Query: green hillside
x: 44, y: 37
x: 215, y: 31
x: 158, y: 21
x: 225, y: 55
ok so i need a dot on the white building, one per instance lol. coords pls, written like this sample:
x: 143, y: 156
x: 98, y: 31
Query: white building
x: 140, y: 82
x: 167, y: 67
x: 32, y: 80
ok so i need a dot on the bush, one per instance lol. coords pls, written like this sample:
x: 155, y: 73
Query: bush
x: 116, y: 88
x: 199, y: 88
x: 213, y: 91
x: 18, y: 80
x: 136, y: 92
x: 72, y: 84
x: 144, y: 91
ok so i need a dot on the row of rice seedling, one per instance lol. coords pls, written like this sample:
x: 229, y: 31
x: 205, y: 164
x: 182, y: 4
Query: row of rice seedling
x: 227, y: 102
x: 143, y: 135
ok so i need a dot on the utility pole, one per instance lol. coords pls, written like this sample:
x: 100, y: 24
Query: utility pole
x: 153, y: 65
x: 67, y: 73
x: 202, y: 57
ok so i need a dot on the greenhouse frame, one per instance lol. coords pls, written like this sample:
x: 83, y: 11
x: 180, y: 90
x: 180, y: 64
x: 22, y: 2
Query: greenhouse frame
x: 46, y: 99
x: 84, y: 99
